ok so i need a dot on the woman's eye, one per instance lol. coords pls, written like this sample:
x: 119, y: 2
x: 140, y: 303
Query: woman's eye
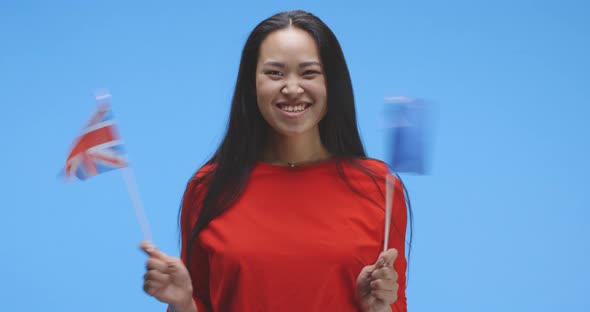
x: 311, y: 72
x: 274, y: 73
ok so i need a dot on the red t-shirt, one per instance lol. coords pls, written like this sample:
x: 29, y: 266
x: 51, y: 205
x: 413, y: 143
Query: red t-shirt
x: 296, y: 240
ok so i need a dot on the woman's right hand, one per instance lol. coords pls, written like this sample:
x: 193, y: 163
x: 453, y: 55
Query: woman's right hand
x: 167, y: 279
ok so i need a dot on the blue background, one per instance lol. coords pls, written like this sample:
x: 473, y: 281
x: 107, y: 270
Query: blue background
x: 501, y: 223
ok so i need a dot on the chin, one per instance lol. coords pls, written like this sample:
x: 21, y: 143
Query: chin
x: 292, y: 131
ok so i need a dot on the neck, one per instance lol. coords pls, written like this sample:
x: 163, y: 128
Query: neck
x: 296, y: 150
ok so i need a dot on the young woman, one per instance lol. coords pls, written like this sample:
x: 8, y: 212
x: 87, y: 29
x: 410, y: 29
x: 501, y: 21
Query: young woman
x: 288, y: 214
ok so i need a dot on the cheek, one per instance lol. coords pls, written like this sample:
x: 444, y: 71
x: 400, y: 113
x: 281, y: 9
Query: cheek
x: 316, y: 87
x: 259, y: 89
x: 324, y: 101
x: 265, y: 91
x: 317, y: 90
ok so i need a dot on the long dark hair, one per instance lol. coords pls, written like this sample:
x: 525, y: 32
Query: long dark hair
x: 247, y: 131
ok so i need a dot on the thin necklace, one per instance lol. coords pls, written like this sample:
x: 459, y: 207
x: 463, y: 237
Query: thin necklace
x: 293, y: 164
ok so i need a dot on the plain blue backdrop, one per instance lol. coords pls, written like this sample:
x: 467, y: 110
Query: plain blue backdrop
x: 501, y: 223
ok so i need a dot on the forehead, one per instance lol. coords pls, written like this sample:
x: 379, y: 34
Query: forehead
x: 289, y: 44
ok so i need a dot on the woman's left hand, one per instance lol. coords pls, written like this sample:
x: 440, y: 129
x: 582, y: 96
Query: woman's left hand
x: 376, y: 285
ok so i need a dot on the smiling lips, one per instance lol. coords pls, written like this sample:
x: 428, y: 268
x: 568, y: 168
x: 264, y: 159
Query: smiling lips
x: 293, y: 107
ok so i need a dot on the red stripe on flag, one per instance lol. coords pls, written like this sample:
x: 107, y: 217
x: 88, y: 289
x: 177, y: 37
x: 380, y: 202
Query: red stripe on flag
x: 94, y: 138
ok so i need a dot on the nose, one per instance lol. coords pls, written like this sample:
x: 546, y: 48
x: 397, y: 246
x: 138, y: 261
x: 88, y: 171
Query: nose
x: 292, y: 87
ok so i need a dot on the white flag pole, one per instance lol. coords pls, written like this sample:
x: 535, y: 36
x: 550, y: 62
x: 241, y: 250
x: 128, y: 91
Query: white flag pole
x: 137, y: 205
x: 103, y: 95
x: 389, y: 186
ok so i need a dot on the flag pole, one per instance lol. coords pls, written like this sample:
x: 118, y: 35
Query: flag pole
x: 103, y: 95
x: 136, y: 201
x: 389, y: 186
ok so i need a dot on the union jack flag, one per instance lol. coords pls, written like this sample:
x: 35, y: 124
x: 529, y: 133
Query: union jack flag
x: 98, y: 149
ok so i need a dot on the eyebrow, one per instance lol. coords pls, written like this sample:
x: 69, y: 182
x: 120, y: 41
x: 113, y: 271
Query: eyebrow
x: 311, y: 63
x: 301, y: 65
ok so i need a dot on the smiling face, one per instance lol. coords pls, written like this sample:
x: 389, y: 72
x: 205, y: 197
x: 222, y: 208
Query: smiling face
x: 290, y: 83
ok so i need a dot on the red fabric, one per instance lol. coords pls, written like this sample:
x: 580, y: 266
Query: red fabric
x: 296, y: 240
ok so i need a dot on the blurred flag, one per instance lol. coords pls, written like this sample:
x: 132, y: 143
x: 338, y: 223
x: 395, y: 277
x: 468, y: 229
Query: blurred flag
x: 98, y: 148
x: 407, y: 123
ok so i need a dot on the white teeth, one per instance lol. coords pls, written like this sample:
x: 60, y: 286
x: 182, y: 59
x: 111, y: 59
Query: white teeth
x: 295, y: 108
